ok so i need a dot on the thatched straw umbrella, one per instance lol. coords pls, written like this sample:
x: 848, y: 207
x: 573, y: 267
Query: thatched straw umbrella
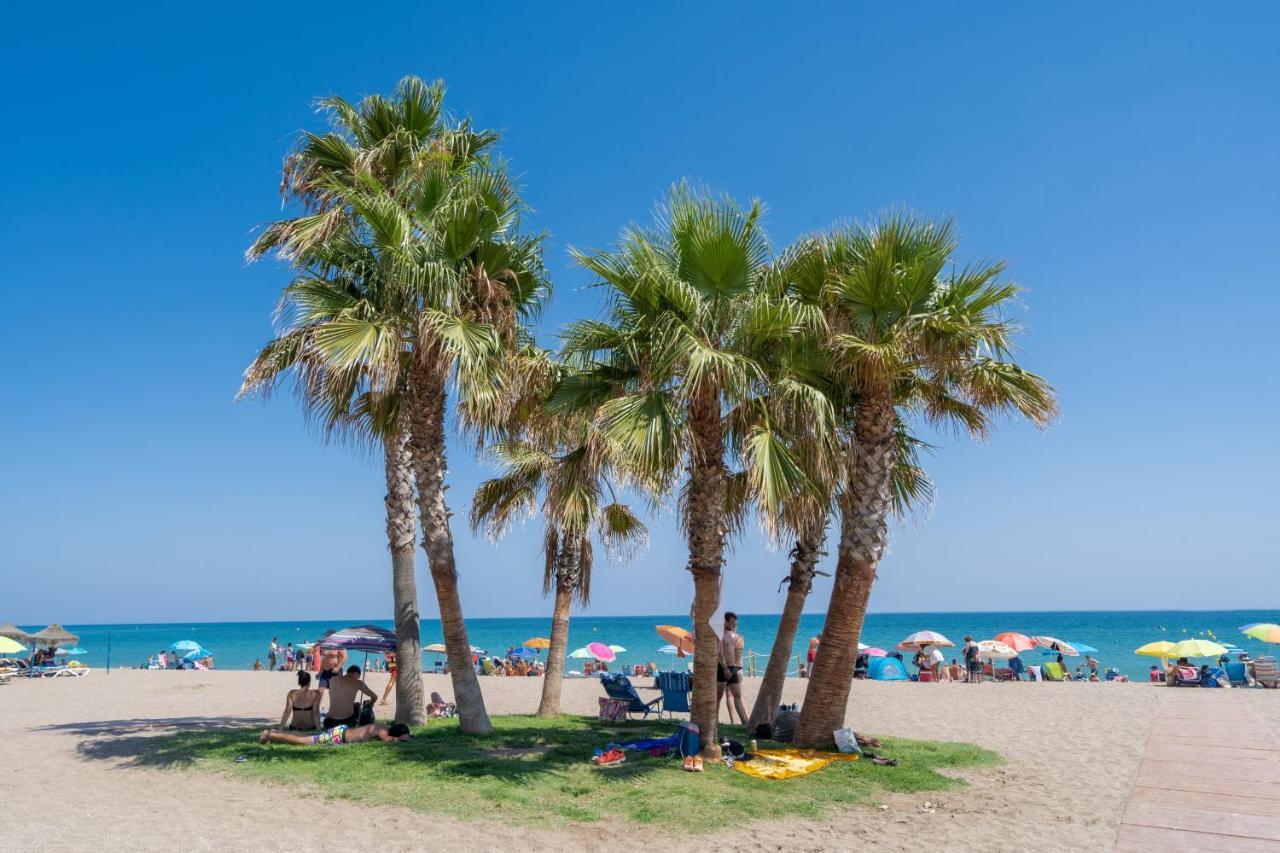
x: 13, y: 632
x: 55, y: 635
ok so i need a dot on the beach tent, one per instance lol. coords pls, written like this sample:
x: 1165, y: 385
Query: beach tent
x: 886, y: 669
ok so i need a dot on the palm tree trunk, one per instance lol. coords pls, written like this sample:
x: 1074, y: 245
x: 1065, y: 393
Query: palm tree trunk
x: 707, y: 484
x: 804, y: 562
x: 553, y: 679
x: 426, y: 440
x: 410, y: 703
x: 864, y: 530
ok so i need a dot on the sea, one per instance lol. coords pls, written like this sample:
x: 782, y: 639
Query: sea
x: 1116, y: 634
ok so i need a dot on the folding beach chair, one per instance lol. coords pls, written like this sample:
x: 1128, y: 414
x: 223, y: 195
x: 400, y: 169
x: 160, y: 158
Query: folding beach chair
x: 1053, y: 671
x: 675, y: 692
x: 1238, y: 673
x: 1264, y: 670
x: 618, y: 686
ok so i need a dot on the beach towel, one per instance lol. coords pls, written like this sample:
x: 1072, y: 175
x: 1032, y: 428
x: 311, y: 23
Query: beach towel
x: 788, y: 763
x: 613, y: 710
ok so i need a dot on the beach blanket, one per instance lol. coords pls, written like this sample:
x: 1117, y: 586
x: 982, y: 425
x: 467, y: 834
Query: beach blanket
x: 788, y: 763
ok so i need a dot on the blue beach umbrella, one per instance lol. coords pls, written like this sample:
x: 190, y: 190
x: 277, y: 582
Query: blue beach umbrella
x: 197, y: 654
x: 184, y: 646
x: 525, y: 652
x: 72, y: 651
x: 1082, y: 648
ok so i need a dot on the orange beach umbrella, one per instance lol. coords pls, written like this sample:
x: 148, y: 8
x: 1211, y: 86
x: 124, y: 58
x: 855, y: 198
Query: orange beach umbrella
x: 537, y: 643
x: 678, y: 637
x: 1018, y: 642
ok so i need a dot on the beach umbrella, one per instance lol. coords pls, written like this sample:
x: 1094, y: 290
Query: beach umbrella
x: 537, y: 643
x: 10, y: 646
x: 524, y: 652
x: 1080, y: 648
x: 75, y: 650
x: 197, y: 654
x: 435, y: 648
x: 678, y: 637
x: 875, y: 652
x: 672, y: 650
x: 1017, y: 642
x: 920, y: 639
x: 617, y: 650
x: 54, y: 635
x: 13, y: 632
x: 361, y: 638
x: 1158, y: 649
x: 184, y: 646
x: 996, y: 649
x: 1060, y: 646
x: 1196, y: 648
x: 581, y: 654
x: 1267, y: 632
x: 601, y: 652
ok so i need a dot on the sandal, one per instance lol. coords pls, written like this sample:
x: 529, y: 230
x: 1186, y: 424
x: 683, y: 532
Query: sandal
x: 612, y: 758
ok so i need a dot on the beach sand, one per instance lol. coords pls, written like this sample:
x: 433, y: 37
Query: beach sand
x: 1071, y: 754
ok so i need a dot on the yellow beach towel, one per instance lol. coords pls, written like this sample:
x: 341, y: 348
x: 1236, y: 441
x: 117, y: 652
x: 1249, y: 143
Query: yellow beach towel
x: 789, y: 763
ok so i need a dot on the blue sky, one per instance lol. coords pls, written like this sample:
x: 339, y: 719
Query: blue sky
x: 1122, y: 159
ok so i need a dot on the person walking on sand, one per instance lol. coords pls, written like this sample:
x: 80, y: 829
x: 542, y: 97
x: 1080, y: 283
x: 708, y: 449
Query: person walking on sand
x: 729, y: 668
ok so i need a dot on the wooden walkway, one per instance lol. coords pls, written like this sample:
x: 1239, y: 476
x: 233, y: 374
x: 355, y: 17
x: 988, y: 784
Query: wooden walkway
x: 1209, y: 779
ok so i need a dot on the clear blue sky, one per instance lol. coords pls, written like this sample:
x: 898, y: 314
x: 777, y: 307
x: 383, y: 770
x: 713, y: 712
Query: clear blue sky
x: 1123, y: 158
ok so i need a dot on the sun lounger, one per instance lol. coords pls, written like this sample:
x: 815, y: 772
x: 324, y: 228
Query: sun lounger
x: 1264, y: 670
x: 618, y: 686
x: 1053, y: 671
x: 675, y: 692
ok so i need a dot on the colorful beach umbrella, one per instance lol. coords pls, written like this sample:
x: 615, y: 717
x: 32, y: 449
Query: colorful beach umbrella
x: 1267, y: 632
x: 10, y: 647
x: 677, y: 636
x: 601, y: 652
x: 617, y: 650
x: 581, y: 654
x: 1060, y: 646
x: 1197, y: 648
x: 537, y: 643
x: 1080, y: 648
x: 921, y: 639
x: 1158, y: 649
x: 360, y: 638
x: 1014, y: 640
x: 996, y: 649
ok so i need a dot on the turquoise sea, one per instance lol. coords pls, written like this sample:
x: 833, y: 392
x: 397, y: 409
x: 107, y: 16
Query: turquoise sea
x: 1114, y: 633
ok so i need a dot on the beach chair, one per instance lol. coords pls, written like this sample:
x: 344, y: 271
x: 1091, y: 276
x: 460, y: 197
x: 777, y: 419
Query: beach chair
x: 1186, y: 676
x: 1264, y: 671
x: 1053, y: 671
x: 675, y: 692
x: 618, y: 686
x: 1238, y: 673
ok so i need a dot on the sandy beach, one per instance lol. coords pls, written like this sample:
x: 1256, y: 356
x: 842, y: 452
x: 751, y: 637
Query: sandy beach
x: 1071, y: 754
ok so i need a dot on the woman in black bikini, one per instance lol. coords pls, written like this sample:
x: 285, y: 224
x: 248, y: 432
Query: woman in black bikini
x: 302, y: 706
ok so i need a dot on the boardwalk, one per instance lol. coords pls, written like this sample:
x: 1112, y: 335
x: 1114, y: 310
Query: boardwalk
x: 1209, y: 779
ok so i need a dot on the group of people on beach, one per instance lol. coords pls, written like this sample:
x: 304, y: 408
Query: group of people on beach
x: 172, y: 660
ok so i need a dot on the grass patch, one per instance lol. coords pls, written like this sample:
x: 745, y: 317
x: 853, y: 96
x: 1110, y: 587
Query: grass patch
x: 537, y: 772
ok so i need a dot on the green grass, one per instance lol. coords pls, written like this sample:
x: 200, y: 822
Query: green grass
x: 443, y: 771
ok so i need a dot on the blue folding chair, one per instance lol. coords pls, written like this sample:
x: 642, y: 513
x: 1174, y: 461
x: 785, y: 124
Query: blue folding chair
x: 675, y: 692
x: 618, y: 686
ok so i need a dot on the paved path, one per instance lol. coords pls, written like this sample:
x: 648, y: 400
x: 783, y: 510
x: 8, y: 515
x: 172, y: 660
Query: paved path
x: 1209, y: 779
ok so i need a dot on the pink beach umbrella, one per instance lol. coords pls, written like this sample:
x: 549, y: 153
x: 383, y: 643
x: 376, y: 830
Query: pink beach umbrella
x: 1053, y: 643
x: 600, y: 651
x: 875, y: 652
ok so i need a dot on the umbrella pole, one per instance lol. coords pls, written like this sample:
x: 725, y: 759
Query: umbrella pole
x: 108, y: 653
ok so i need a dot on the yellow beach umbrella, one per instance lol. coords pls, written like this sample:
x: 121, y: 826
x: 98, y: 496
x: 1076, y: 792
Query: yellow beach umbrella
x: 537, y: 643
x: 1195, y: 648
x: 1158, y: 649
x: 1267, y: 632
x: 10, y: 647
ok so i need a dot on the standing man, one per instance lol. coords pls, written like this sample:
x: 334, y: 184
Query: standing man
x: 729, y: 669
x: 272, y: 651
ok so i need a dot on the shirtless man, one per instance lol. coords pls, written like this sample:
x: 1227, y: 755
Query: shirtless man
x: 729, y: 669
x: 398, y: 733
x: 344, y: 691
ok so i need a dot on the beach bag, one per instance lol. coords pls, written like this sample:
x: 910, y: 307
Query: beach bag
x: 784, y: 726
x: 366, y: 717
x: 613, y: 710
x: 847, y: 741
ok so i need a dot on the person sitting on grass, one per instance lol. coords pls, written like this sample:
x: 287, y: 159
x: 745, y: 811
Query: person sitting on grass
x: 302, y: 706
x: 343, y: 692
x: 437, y: 707
x: 398, y: 733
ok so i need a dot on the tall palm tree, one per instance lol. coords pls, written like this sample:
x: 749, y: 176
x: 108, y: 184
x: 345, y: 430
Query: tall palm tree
x: 687, y: 341
x: 562, y: 471
x: 910, y: 335
x: 440, y: 225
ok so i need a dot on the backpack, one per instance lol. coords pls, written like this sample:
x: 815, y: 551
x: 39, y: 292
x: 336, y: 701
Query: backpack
x: 784, y: 725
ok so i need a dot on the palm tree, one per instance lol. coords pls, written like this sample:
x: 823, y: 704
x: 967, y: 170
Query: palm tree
x: 686, y: 343
x: 909, y: 334
x: 439, y: 226
x: 563, y: 471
